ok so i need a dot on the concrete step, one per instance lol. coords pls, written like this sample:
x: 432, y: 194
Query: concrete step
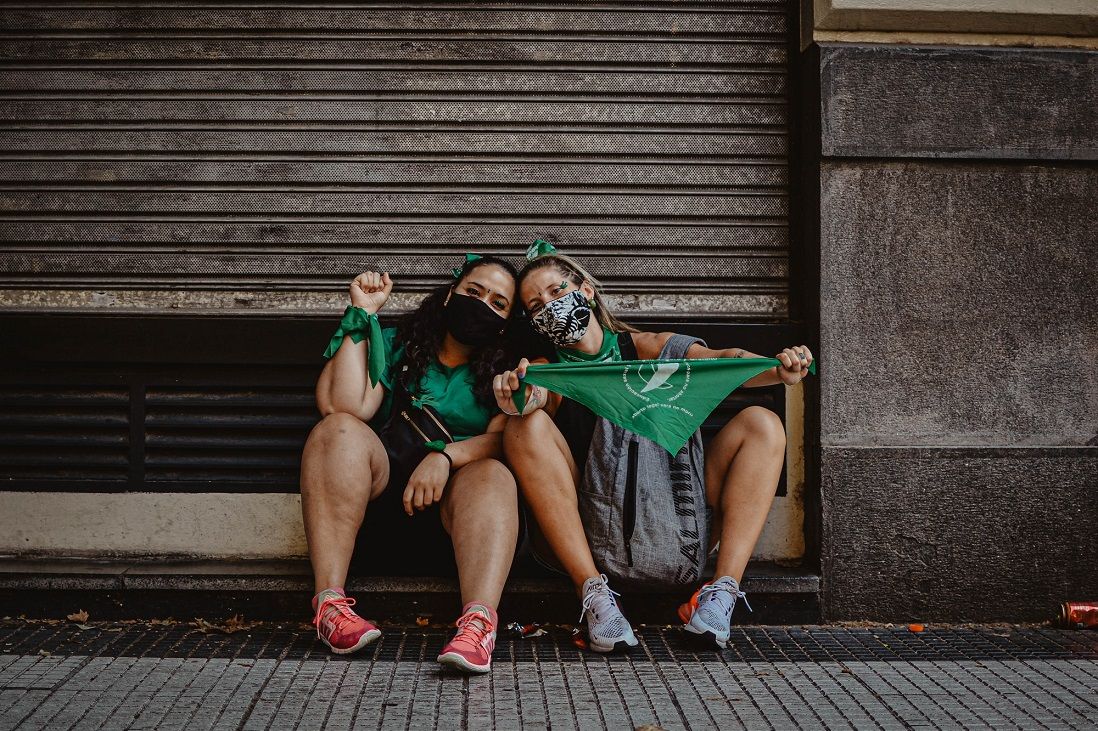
x: 52, y: 587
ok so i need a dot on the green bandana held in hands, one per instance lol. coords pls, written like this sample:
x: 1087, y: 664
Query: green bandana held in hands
x: 664, y: 400
x: 360, y: 324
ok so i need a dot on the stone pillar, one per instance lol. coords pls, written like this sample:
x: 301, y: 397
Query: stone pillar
x: 958, y: 272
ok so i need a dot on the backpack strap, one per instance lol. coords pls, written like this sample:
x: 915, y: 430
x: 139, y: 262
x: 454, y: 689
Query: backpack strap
x: 676, y: 346
x: 627, y: 347
x: 674, y: 349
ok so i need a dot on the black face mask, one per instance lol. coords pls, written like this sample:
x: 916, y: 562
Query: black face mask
x: 471, y: 321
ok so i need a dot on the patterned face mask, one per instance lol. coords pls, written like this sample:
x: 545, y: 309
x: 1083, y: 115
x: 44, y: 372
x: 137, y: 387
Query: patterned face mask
x: 564, y: 320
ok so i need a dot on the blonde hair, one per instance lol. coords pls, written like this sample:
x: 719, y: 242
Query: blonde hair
x: 571, y: 269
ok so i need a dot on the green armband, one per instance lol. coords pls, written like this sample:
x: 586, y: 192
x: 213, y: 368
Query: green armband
x: 360, y: 324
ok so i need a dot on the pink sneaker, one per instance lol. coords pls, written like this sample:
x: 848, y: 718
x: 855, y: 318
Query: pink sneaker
x: 471, y: 649
x: 338, y: 626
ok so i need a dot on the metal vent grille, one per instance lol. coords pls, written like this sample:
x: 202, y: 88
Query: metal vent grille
x: 285, y: 146
x: 209, y: 437
x: 144, y: 427
x: 96, y: 404
x: 201, y: 437
x: 64, y: 433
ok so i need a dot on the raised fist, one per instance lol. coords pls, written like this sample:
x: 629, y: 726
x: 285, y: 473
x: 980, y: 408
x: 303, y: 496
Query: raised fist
x: 370, y: 291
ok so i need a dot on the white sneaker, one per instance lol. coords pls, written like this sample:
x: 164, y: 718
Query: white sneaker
x: 607, y: 629
x: 708, y: 614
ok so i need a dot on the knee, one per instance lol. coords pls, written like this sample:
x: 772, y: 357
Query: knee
x: 488, y: 475
x: 340, y: 442
x: 333, y: 429
x: 763, y: 425
x: 486, y: 482
x: 525, y: 433
x: 498, y: 475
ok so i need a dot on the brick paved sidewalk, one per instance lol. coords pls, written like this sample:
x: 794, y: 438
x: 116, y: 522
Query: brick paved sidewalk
x: 59, y: 676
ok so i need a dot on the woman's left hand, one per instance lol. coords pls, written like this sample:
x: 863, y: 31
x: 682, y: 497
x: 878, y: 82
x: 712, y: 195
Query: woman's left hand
x: 427, y: 482
x: 795, y: 362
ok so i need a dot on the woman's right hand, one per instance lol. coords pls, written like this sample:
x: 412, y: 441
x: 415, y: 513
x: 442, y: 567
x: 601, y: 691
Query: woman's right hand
x: 370, y: 291
x: 505, y: 384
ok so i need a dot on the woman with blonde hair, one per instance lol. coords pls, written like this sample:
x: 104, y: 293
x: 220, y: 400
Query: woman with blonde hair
x: 556, y: 451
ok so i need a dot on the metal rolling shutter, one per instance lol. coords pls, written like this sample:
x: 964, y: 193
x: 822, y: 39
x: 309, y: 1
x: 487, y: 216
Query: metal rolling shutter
x: 263, y: 153
x: 163, y: 158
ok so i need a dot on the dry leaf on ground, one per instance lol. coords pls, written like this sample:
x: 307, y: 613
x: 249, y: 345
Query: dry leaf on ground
x: 233, y: 624
x: 80, y: 616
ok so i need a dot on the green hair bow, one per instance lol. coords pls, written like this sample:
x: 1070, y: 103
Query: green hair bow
x: 468, y: 258
x: 539, y: 248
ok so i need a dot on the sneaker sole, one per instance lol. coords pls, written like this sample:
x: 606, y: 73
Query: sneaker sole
x: 458, y: 662
x: 366, y: 639
x: 707, y: 638
x: 619, y: 646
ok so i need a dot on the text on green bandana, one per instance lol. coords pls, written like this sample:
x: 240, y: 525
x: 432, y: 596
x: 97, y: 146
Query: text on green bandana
x: 664, y: 400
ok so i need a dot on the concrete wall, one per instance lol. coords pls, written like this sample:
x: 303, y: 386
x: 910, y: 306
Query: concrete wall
x: 958, y: 236
x: 135, y: 524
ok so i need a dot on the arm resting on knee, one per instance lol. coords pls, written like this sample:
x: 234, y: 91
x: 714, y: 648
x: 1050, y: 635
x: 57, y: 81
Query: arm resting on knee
x: 485, y: 446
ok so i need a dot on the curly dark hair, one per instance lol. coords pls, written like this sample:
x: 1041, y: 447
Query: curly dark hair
x: 421, y: 333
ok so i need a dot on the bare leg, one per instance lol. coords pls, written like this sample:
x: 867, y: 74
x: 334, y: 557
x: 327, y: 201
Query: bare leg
x: 480, y: 512
x: 742, y: 466
x: 343, y: 467
x: 547, y: 474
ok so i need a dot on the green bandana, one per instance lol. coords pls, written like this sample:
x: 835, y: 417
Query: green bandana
x: 468, y: 258
x: 539, y: 248
x: 360, y: 324
x: 664, y: 400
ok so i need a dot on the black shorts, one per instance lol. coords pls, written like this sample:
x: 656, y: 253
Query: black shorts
x: 390, y: 543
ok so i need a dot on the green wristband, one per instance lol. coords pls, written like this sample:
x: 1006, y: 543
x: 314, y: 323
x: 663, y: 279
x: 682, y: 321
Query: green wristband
x: 360, y: 324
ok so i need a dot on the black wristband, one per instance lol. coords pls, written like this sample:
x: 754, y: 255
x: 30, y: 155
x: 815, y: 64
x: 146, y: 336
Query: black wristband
x: 448, y: 458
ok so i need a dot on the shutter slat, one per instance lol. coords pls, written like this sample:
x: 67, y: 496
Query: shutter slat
x: 332, y: 138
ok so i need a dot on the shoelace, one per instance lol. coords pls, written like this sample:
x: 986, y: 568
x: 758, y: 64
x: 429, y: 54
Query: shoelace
x: 473, y: 627
x: 342, y: 604
x: 732, y: 587
x: 602, y: 591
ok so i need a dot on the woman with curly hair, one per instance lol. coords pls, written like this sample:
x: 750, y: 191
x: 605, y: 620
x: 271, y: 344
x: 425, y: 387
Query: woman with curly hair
x: 405, y: 461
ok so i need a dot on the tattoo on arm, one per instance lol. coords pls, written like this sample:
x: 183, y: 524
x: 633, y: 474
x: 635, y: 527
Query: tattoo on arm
x: 533, y: 403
